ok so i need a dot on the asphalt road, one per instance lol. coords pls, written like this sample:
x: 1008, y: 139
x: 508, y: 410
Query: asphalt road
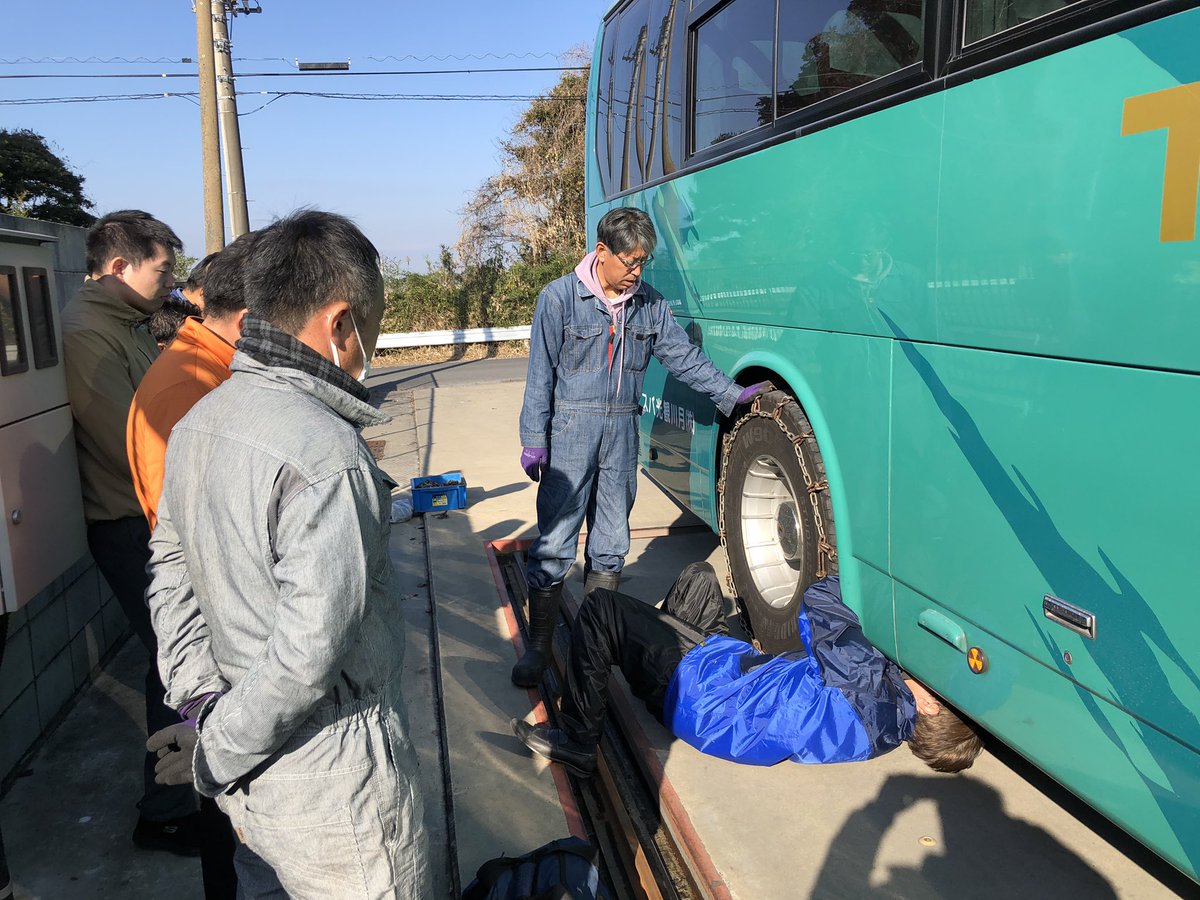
x: 449, y: 374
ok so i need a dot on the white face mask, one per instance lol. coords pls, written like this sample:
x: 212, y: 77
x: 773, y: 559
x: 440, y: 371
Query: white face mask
x: 337, y: 359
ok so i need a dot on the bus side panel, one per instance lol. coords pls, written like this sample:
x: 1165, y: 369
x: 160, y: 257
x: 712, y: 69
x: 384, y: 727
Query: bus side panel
x: 842, y: 382
x: 818, y: 232
x: 1139, y: 777
x: 1016, y: 477
x: 1049, y: 225
x: 679, y: 431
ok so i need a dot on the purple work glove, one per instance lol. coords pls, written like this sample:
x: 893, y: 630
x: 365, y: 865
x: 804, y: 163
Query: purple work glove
x: 753, y: 391
x: 533, y: 459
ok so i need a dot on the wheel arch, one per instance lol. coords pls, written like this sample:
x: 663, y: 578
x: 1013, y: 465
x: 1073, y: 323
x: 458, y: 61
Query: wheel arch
x: 786, y: 376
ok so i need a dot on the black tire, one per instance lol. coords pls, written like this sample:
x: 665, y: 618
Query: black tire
x: 765, y: 502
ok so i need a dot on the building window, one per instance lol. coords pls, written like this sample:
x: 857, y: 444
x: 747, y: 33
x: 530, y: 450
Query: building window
x: 41, y: 317
x: 14, y: 357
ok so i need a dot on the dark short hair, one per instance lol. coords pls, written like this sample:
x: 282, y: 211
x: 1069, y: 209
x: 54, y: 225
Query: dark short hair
x: 165, y: 321
x: 225, y: 281
x: 626, y: 228
x: 195, y: 279
x: 307, y: 260
x: 945, y: 742
x: 128, y: 233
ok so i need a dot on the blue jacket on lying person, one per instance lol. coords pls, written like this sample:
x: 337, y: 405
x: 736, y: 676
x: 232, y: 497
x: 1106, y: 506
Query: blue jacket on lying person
x: 838, y: 699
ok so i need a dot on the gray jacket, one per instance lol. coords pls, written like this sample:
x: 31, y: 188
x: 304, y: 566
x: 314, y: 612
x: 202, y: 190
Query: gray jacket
x: 271, y: 579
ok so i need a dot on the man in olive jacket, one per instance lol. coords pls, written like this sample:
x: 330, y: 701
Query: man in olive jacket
x: 107, y: 348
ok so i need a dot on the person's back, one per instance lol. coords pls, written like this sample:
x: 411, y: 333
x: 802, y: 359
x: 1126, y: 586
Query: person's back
x: 272, y: 586
x: 284, y: 439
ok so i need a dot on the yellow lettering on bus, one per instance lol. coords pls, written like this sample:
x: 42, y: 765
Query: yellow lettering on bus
x: 1177, y: 110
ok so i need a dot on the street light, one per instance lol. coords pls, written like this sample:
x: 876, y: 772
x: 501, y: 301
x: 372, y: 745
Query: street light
x: 323, y: 66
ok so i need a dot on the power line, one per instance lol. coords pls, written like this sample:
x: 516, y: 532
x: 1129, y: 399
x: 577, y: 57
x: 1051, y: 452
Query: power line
x: 94, y: 98
x: 95, y: 60
x: 276, y: 95
x: 182, y: 60
x: 485, y: 71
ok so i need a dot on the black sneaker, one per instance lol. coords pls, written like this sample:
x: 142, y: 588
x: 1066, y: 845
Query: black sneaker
x: 179, y: 836
x: 554, y: 744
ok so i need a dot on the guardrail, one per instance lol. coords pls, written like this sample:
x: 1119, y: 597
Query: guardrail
x: 452, y: 336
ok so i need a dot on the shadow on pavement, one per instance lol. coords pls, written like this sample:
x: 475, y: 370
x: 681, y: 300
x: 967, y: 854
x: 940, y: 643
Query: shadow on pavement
x: 982, y: 851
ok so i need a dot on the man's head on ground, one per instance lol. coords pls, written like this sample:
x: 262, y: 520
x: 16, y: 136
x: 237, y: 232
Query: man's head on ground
x: 316, y: 276
x: 193, y: 288
x: 166, y: 320
x: 944, y: 741
x: 225, y: 288
x: 625, y: 242
x: 132, y: 254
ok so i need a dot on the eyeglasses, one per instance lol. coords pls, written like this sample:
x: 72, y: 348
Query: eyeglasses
x: 636, y: 264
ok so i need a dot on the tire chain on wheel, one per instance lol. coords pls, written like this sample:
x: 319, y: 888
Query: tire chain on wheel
x: 776, y: 403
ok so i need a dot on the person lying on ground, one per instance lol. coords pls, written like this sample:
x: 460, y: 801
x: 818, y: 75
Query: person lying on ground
x: 836, y: 700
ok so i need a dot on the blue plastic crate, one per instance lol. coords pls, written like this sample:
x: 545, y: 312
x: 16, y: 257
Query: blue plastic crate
x: 434, y: 493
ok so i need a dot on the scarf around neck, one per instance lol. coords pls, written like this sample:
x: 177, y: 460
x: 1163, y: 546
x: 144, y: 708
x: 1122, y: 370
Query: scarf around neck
x: 270, y: 346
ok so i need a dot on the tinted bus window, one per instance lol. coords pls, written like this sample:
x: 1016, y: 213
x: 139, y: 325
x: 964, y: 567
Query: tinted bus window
x: 734, y: 74
x: 604, y: 109
x: 662, y: 102
x: 829, y: 47
x: 13, y: 358
x: 987, y: 17
x: 628, y: 148
x: 41, y: 317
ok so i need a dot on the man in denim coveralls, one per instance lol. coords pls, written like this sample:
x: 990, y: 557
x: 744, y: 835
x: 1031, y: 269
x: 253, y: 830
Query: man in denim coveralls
x: 594, y: 332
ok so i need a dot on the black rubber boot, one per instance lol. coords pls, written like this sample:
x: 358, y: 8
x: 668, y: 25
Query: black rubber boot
x: 557, y: 746
x: 610, y: 581
x: 543, y: 615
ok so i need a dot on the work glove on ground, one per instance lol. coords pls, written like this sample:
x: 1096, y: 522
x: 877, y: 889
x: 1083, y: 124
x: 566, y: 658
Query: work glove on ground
x: 175, y: 746
x: 753, y: 391
x: 533, y: 460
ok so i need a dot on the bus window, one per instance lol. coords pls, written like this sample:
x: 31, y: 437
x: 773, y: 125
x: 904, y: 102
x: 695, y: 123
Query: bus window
x: 14, y: 358
x: 604, y: 109
x: 41, y: 318
x: 987, y: 17
x: 662, y: 101
x: 628, y: 85
x: 829, y: 47
x: 734, y: 72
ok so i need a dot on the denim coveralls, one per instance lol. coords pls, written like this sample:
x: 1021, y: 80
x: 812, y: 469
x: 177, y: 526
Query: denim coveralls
x: 573, y: 407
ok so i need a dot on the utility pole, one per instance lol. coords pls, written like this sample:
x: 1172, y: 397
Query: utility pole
x: 210, y: 148
x: 231, y: 137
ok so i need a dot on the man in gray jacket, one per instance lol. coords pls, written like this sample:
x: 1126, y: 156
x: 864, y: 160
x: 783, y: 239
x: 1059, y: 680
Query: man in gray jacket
x: 280, y: 636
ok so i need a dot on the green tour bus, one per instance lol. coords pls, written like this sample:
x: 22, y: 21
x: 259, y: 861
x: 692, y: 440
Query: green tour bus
x: 960, y: 238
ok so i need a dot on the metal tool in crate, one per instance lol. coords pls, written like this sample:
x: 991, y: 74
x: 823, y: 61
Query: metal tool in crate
x: 434, y: 493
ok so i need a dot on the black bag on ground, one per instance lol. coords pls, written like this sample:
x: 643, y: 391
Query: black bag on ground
x: 561, y: 870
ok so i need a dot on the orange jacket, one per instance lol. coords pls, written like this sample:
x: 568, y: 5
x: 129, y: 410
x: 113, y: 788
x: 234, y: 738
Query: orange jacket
x: 194, y: 363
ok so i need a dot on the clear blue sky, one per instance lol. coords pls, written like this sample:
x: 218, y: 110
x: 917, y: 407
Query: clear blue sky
x: 402, y: 169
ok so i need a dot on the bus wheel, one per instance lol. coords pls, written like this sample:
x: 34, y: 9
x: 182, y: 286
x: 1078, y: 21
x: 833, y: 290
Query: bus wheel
x: 776, y: 520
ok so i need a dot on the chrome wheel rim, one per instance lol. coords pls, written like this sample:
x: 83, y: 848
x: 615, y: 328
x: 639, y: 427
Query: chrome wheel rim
x: 772, y: 531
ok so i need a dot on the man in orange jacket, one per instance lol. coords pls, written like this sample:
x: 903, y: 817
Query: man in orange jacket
x: 191, y: 366
x: 195, y: 363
